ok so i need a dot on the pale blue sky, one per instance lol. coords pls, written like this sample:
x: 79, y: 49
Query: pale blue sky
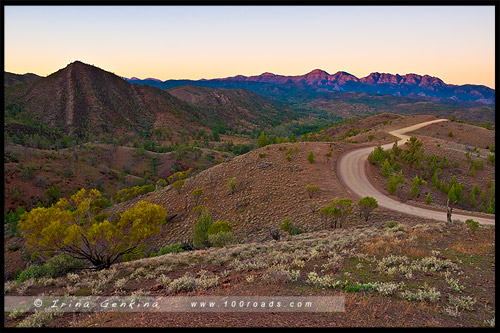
x: 452, y: 42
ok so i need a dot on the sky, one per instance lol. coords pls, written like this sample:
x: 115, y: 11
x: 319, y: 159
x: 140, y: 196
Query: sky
x: 454, y: 43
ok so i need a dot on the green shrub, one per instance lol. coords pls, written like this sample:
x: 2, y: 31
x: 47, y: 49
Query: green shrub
x: 415, y: 186
x: 221, y: 239
x: 394, y: 181
x: 378, y: 155
x: 386, y: 168
x: 391, y: 224
x: 491, y: 159
x: 12, y: 219
x: 428, y: 199
x: 28, y: 172
x: 200, y: 238
x: 56, y: 266
x: 294, y: 230
x: 310, y: 157
x: 53, y: 195
x: 63, y: 264
x: 34, y: 272
x: 285, y: 226
x: 231, y: 185
x: 261, y: 155
x: 219, y: 226
x: 473, y: 225
x: 171, y: 248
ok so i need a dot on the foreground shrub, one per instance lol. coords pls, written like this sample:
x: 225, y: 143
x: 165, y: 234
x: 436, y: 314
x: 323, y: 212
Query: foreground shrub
x: 34, y: 272
x: 473, y: 225
x: 54, y: 267
x: 63, y: 264
x: 70, y: 227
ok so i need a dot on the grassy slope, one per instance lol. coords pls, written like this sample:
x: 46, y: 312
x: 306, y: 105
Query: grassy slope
x: 376, y: 268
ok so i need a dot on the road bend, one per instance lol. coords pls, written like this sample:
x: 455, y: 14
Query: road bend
x: 351, y: 170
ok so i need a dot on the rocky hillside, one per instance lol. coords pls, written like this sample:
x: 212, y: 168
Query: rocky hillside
x: 85, y: 100
x: 238, y: 108
x: 269, y: 189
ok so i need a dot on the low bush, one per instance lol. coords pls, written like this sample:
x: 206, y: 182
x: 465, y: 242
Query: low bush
x: 171, y: 248
x: 221, y: 239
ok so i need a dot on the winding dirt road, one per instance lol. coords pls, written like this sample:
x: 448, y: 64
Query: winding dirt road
x: 351, y: 171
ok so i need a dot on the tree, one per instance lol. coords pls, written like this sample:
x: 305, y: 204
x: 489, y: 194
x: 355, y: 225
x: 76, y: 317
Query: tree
x: 196, y: 195
x: 435, y: 180
x: 177, y: 185
x: 428, y: 199
x: 366, y: 206
x: 415, y: 186
x: 311, y: 189
x: 472, y: 198
x: 200, y: 238
x: 262, y: 140
x: 310, y: 157
x: 160, y: 183
x: 231, y: 185
x: 386, y: 168
x: 378, y: 155
x: 338, y: 210
x: 70, y: 227
x: 394, y: 181
x: 414, y: 153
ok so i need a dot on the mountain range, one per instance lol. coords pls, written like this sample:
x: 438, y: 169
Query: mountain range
x: 412, y: 85
x: 85, y: 100
x: 89, y: 102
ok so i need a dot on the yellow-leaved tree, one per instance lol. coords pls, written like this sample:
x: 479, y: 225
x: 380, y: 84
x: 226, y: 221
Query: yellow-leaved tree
x: 76, y: 228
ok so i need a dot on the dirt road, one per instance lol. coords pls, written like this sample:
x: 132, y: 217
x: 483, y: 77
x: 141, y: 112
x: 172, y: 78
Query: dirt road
x: 351, y: 171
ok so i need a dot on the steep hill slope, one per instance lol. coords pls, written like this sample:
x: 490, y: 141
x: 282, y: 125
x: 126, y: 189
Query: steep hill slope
x: 85, y: 100
x: 237, y: 108
x: 269, y: 189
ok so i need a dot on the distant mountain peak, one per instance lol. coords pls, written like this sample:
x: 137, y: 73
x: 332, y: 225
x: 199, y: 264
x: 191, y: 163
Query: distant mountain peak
x: 318, y: 71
